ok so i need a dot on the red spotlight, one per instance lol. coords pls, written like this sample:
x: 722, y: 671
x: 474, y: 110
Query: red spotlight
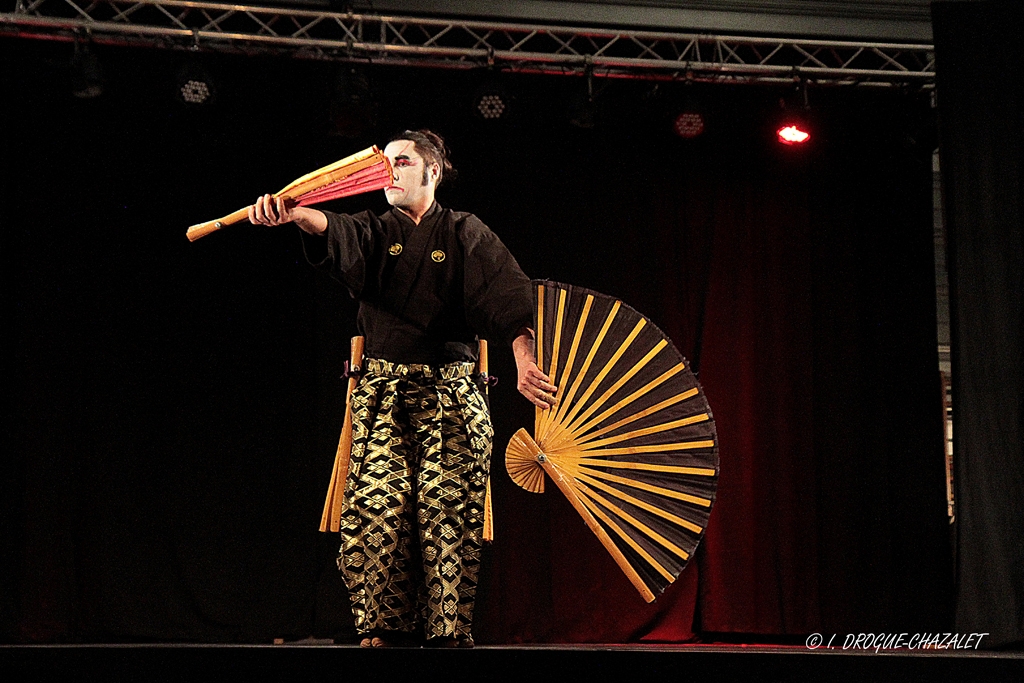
x: 793, y: 134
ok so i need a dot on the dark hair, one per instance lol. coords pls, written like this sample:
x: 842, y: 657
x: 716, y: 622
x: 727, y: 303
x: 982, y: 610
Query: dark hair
x: 431, y: 147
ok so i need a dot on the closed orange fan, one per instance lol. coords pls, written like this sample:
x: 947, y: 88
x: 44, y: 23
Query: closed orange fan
x: 631, y: 443
x: 365, y: 171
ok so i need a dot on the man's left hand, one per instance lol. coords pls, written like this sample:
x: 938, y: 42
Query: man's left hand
x: 532, y: 383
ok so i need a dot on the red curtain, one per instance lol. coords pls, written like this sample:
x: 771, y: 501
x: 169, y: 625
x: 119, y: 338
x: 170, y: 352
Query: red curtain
x: 801, y: 280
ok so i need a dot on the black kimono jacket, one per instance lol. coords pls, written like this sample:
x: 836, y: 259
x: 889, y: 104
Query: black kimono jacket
x: 426, y: 291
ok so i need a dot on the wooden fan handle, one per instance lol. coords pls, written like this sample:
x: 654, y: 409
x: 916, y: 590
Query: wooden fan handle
x: 203, y: 229
x: 562, y: 480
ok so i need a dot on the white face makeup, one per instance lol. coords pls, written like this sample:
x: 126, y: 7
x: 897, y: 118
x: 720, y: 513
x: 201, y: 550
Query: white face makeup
x: 408, y: 191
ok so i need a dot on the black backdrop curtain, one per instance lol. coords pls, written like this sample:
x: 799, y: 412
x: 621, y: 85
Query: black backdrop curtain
x: 176, y: 405
x: 981, y: 91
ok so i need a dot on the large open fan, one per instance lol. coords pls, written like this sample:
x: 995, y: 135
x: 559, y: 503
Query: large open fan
x: 364, y: 171
x: 631, y: 443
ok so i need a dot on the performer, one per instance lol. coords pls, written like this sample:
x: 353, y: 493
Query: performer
x: 429, y: 281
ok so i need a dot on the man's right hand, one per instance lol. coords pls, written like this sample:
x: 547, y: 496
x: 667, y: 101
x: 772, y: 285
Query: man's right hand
x: 271, y: 210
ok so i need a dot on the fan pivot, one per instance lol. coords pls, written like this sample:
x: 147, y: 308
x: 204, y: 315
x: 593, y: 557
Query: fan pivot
x: 522, y: 460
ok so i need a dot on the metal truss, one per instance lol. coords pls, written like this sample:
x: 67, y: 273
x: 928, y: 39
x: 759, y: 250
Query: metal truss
x: 455, y: 43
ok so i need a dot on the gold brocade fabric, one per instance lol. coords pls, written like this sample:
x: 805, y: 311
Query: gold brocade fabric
x: 413, y: 516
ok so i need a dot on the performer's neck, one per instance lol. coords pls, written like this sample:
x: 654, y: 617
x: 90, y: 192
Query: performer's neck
x: 417, y: 212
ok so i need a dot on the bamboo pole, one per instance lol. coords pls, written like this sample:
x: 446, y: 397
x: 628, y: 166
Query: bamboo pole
x: 482, y: 366
x: 331, y: 518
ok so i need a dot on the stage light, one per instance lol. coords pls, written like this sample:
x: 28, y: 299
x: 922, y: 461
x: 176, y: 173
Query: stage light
x: 792, y: 124
x: 583, y: 115
x: 793, y: 134
x: 688, y: 125
x: 491, y: 106
x: 492, y: 100
x: 195, y: 88
x: 86, y: 75
x: 583, y: 107
x: 195, y: 92
x: 352, y: 111
x: 688, y: 105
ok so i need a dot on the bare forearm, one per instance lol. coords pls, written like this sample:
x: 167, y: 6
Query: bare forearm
x: 523, y: 347
x: 309, y: 220
x: 532, y: 383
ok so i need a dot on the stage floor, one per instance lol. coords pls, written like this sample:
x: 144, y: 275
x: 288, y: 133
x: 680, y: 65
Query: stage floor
x: 704, y: 663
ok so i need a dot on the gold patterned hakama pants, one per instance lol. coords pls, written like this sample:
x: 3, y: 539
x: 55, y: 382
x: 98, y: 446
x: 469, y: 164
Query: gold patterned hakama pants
x: 412, y: 521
